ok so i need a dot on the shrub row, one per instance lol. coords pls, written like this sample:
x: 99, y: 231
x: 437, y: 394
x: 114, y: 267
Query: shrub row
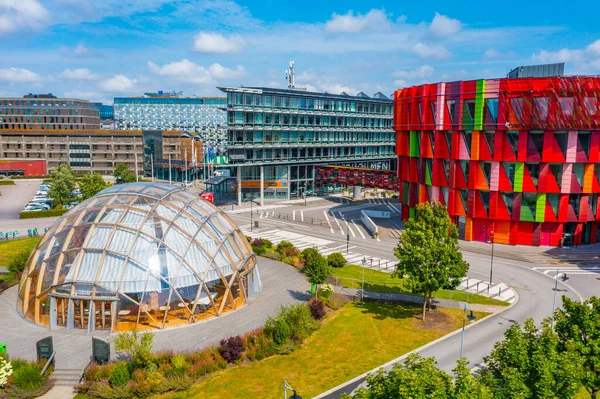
x: 42, y: 214
x: 7, y: 183
x: 26, y: 381
x: 145, y: 373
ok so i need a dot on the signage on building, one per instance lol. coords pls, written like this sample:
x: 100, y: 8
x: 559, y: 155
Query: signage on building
x: 100, y: 350
x: 237, y: 157
x: 44, y: 348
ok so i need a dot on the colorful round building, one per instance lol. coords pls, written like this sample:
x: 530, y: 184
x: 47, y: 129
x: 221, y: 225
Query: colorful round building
x: 516, y: 161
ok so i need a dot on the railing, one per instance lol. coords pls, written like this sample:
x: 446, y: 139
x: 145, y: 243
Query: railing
x: 48, y: 363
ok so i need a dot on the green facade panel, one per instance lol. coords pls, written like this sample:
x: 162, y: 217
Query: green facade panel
x: 414, y: 143
x: 518, y: 186
x: 526, y: 215
x: 540, y: 207
x: 479, y: 102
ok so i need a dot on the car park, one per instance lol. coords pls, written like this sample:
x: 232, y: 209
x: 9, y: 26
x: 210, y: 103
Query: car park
x: 33, y: 207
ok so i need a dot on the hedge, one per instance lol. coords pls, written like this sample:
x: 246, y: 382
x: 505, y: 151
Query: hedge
x: 42, y: 214
x: 7, y: 183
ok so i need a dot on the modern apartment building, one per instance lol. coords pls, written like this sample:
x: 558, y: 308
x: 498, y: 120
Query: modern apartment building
x: 276, y: 137
x: 515, y: 160
x: 168, y: 111
x: 47, y: 112
x: 106, y: 111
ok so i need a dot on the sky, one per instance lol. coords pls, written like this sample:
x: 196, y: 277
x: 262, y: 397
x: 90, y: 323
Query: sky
x: 101, y: 49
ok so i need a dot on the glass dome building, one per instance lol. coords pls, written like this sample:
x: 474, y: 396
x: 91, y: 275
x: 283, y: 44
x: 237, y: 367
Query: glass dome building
x: 140, y: 255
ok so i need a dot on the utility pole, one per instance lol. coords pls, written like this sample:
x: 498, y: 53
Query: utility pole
x: 137, y: 176
x: 170, y: 168
x: 251, y: 194
x: 152, y: 166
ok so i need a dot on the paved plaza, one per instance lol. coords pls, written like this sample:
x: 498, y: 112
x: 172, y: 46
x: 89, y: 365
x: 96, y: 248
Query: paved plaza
x: 282, y: 284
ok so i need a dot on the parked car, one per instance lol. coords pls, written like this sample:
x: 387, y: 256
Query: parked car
x: 33, y: 207
x: 38, y: 198
x: 42, y: 193
x: 186, y: 184
x: 76, y: 193
x: 44, y: 187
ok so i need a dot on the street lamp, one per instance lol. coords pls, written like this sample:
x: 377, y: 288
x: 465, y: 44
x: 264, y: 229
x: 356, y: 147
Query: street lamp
x: 471, y: 317
x: 362, y: 291
x: 564, y: 279
x: 490, y: 238
x: 286, y: 388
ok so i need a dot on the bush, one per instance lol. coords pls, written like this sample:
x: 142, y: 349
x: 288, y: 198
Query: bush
x: 179, y: 361
x: 17, y: 263
x: 249, y: 239
x: 258, y: 242
x: 206, y: 361
x: 290, y: 252
x: 258, y: 345
x: 326, y: 291
x: 267, y: 243
x: 281, y: 331
x: 293, y: 323
x: 42, y: 214
x: 26, y: 376
x: 317, y: 309
x: 336, y: 259
x: 95, y: 372
x: 282, y: 246
x: 317, y: 269
x: 231, y: 349
x: 105, y: 391
x: 139, y: 351
x: 7, y: 183
x: 120, y: 375
x: 258, y: 250
x: 271, y: 255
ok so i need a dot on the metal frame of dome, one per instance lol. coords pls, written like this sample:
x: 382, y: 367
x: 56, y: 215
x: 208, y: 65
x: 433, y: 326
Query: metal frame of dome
x: 140, y: 255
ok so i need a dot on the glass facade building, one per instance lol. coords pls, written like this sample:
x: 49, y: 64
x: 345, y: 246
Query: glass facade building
x: 142, y: 255
x: 106, y: 111
x: 276, y: 136
x: 169, y: 113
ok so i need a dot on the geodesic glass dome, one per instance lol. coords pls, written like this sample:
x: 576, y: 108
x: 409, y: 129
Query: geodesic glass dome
x: 140, y: 255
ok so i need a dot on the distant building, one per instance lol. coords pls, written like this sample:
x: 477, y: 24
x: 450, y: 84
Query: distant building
x: 106, y: 111
x: 165, y: 111
x: 46, y: 112
x: 537, y: 71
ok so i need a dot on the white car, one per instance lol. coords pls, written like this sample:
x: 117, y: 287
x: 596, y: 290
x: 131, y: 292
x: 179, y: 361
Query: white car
x: 33, y: 207
x: 42, y: 194
x: 40, y: 198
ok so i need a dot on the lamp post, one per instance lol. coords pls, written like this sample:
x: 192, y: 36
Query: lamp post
x: 362, y: 291
x: 491, y: 239
x: 565, y: 279
x: 471, y: 319
x: 286, y: 388
x: 251, y: 194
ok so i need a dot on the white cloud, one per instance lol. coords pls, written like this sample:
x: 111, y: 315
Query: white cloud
x: 582, y: 61
x: 187, y: 71
x: 443, y: 26
x: 79, y: 51
x: 594, y: 48
x: 89, y: 95
x: 336, y: 88
x: 118, y: 83
x: 490, y: 54
x: 401, y: 19
x: 401, y: 83
x: 21, y: 15
x: 78, y: 74
x: 350, y: 23
x: 425, y: 71
x: 19, y: 75
x: 427, y: 51
x: 211, y: 42
x: 218, y: 72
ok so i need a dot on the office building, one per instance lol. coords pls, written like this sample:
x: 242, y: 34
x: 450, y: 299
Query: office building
x: 276, y: 137
x: 515, y: 160
x: 168, y: 111
x: 47, y: 112
x: 106, y: 111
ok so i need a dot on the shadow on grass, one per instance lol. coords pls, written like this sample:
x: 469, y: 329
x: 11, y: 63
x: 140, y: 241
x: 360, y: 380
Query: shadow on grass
x: 382, y: 311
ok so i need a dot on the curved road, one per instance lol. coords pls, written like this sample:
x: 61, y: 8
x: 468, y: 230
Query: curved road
x: 535, y: 292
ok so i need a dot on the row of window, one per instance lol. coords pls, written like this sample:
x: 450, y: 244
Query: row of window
x: 47, y: 126
x: 267, y: 119
x: 296, y: 154
x: 42, y: 119
x: 296, y: 137
x: 269, y: 101
x: 43, y: 103
x: 47, y: 111
x: 28, y: 146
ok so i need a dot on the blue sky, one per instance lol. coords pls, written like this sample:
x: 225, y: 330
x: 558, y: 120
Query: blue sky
x: 99, y: 49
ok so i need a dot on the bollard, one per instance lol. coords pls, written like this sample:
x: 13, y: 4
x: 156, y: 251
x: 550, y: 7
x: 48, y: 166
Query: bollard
x: 478, y: 286
x: 499, y: 291
x: 379, y: 264
x: 467, y: 283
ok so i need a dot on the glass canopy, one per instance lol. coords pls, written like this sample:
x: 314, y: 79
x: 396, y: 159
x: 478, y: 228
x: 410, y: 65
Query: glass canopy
x: 140, y: 255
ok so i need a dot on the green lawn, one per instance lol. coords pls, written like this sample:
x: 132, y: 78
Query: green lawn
x: 356, y: 339
x: 10, y: 248
x: 375, y: 280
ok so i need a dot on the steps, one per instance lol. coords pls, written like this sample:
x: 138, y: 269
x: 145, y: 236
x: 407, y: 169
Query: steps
x: 66, y: 377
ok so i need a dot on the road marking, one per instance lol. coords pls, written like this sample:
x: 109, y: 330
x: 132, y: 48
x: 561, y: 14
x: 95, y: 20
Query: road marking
x: 302, y: 215
x: 393, y: 206
x: 357, y: 229
x: 294, y: 215
x: 390, y: 207
x: 328, y: 222
x: 347, y: 226
x: 338, y: 223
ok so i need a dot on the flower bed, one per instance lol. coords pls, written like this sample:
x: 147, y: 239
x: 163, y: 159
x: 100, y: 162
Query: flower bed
x: 145, y: 373
x: 21, y: 379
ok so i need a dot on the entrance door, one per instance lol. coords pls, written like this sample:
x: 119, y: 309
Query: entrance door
x: 62, y: 307
x: 102, y: 315
x: 568, y: 234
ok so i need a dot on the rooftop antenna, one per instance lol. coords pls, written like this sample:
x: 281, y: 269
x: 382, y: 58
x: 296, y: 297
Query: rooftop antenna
x: 289, y: 76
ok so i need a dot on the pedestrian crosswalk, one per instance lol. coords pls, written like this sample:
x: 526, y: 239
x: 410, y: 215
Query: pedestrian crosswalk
x: 255, y: 208
x: 393, y: 207
x: 499, y: 291
x: 325, y: 247
x: 553, y: 271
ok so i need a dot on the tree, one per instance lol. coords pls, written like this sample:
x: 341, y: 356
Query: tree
x: 123, y: 174
x: 317, y: 269
x: 428, y: 253
x: 578, y: 325
x: 417, y: 377
x: 467, y: 386
x: 63, y: 182
x: 529, y: 363
x: 17, y: 263
x: 92, y: 184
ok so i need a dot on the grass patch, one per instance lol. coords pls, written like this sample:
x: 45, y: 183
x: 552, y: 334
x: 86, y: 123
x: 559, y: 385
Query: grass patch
x: 354, y: 340
x: 375, y: 280
x: 10, y: 248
